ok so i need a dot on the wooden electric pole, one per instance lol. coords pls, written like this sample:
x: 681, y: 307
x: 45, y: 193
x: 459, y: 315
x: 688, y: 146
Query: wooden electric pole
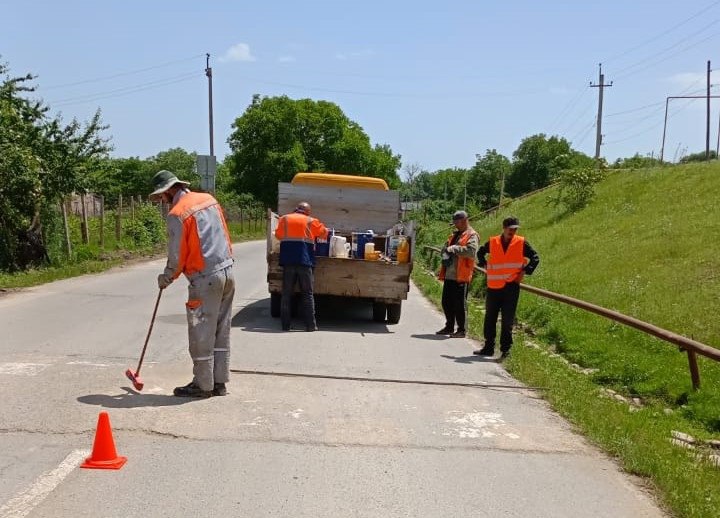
x: 601, y: 86
x: 208, y: 73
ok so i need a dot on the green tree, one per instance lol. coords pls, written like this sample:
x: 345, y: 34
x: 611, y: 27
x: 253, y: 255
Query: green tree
x: 449, y: 185
x: 277, y: 136
x: 535, y: 163
x: 41, y: 160
x: 177, y: 160
x: 486, y: 176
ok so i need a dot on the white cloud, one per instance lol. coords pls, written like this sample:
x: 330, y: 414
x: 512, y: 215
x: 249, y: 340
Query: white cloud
x: 238, y: 52
x: 693, y: 80
x: 354, y: 55
x: 286, y: 59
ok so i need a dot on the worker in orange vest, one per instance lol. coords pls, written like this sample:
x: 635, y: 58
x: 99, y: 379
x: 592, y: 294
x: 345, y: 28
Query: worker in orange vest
x: 458, y: 264
x: 511, y: 258
x: 297, y: 233
x: 199, y: 247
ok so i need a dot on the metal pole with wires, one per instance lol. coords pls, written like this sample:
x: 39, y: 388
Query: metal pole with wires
x: 707, y: 118
x: 208, y: 73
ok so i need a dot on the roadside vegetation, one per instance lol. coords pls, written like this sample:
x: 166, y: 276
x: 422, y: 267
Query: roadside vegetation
x: 643, y: 245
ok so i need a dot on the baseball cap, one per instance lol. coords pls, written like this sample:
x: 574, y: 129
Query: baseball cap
x: 511, y: 222
x: 459, y: 214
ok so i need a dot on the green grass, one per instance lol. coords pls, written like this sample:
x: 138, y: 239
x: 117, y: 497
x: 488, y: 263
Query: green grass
x: 646, y: 246
x: 92, y: 258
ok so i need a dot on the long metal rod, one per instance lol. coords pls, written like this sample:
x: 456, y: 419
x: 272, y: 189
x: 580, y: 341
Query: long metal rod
x: 384, y: 380
x: 668, y: 336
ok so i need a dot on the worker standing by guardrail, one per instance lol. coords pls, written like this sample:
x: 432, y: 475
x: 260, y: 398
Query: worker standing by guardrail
x: 458, y: 265
x: 511, y: 258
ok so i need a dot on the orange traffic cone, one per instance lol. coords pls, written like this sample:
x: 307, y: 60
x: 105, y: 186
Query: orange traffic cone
x: 103, y: 454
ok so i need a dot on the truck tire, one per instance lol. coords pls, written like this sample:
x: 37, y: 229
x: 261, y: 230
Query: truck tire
x: 393, y: 313
x: 275, y: 300
x: 379, y: 310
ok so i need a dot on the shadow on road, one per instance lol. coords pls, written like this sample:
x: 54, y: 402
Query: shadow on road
x: 470, y: 359
x: 333, y: 314
x: 132, y: 399
x: 430, y: 336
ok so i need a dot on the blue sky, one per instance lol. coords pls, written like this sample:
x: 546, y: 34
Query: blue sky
x: 437, y: 81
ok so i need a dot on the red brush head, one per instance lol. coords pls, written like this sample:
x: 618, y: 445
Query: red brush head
x: 136, y: 381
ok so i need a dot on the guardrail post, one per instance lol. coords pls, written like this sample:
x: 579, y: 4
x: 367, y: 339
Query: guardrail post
x: 694, y: 371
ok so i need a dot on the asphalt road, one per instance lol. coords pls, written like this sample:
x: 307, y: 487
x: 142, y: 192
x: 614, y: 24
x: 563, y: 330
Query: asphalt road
x: 312, y: 445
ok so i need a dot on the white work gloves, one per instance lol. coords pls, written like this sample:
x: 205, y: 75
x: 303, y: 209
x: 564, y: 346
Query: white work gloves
x: 453, y: 249
x: 164, y: 280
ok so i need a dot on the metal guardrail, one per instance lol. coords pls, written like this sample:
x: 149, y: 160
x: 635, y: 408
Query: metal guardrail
x: 690, y: 346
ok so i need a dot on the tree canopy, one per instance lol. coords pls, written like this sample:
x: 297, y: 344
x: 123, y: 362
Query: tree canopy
x: 277, y: 136
x: 41, y: 160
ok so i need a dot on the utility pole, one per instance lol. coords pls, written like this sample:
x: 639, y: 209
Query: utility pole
x: 465, y: 191
x: 208, y: 73
x: 707, y: 118
x: 601, y: 85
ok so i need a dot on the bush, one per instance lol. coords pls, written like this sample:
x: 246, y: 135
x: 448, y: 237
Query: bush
x: 576, y: 187
x: 148, y: 228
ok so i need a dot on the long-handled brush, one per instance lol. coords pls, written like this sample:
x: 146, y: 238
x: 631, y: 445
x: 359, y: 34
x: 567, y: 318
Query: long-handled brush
x: 135, y: 376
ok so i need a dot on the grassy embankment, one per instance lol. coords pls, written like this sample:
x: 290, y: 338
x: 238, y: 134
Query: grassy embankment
x: 647, y: 246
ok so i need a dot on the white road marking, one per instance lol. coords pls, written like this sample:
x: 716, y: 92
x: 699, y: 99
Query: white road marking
x: 89, y: 364
x: 295, y: 413
x: 476, y: 424
x: 22, y: 369
x: 22, y: 504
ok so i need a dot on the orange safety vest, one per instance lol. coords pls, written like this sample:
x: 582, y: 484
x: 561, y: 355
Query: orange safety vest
x: 204, y: 244
x: 298, y: 227
x: 504, y: 266
x: 465, y: 265
x: 297, y: 233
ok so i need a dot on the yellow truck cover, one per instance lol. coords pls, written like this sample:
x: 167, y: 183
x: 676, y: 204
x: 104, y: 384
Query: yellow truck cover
x: 340, y: 180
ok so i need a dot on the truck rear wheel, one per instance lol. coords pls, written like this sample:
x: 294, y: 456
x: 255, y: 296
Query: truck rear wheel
x: 379, y: 310
x: 393, y: 313
x: 275, y: 299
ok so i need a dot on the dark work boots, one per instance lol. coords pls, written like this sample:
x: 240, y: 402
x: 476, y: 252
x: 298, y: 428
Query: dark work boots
x: 487, y: 350
x: 192, y: 390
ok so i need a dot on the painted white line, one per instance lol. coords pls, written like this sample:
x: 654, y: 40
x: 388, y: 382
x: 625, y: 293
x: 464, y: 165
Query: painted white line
x: 22, y: 504
x: 22, y: 369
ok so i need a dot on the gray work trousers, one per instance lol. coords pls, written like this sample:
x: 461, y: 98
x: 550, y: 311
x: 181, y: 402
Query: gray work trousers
x: 304, y: 277
x: 209, y: 311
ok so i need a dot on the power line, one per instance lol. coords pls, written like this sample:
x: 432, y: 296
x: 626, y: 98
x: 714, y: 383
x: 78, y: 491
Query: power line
x: 650, y: 128
x: 667, y: 49
x: 121, y: 74
x: 650, y: 65
x: 583, y: 131
x: 129, y: 91
x: 668, y: 31
x: 588, y: 107
x: 125, y: 88
x: 397, y: 94
x: 568, y: 108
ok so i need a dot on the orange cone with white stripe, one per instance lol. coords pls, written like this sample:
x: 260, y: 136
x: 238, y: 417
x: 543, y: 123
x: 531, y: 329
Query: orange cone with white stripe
x: 103, y: 454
